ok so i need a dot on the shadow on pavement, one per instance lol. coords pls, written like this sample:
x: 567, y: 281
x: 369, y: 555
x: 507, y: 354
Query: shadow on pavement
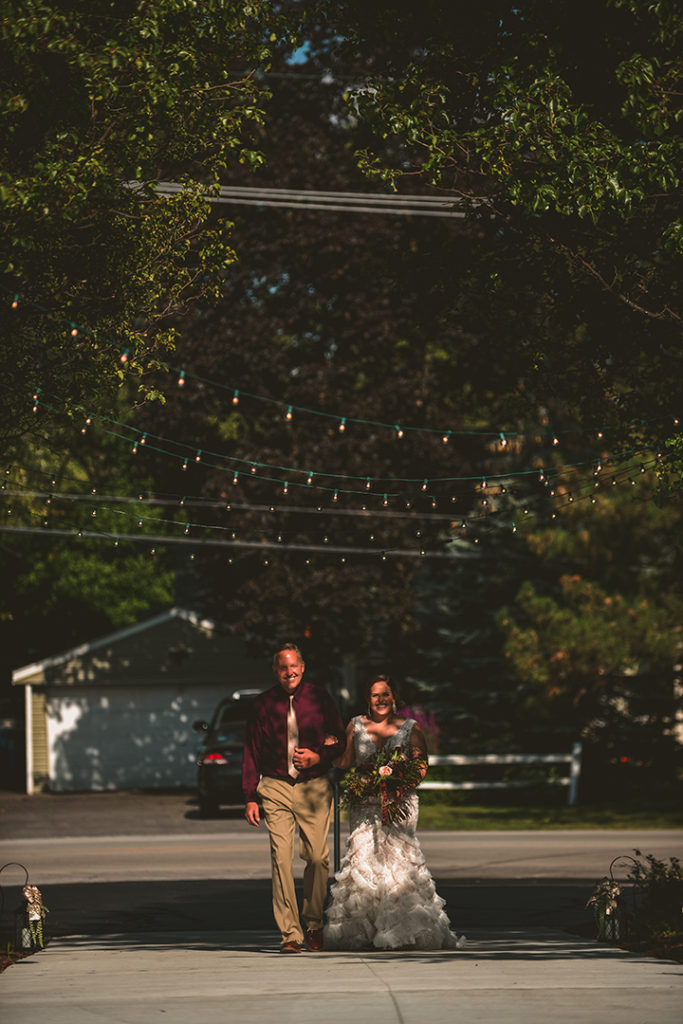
x: 220, y: 905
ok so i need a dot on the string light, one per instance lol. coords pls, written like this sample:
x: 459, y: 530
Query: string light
x: 123, y: 358
x: 253, y: 468
x: 235, y: 477
x: 385, y: 501
x: 288, y: 414
x: 198, y: 456
x: 181, y: 379
x: 187, y: 529
x: 425, y: 484
x: 309, y: 479
x: 36, y: 399
x: 556, y: 440
x: 503, y: 440
x: 185, y: 464
x: 74, y: 330
x: 235, y: 397
x: 367, y: 484
x: 15, y: 302
x: 285, y: 487
x: 335, y: 496
x: 342, y: 425
x: 399, y: 431
x: 134, y: 449
x: 446, y: 437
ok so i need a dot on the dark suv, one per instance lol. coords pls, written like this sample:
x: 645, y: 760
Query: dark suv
x: 219, y: 757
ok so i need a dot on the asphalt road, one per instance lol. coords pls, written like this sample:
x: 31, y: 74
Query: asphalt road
x: 139, y: 862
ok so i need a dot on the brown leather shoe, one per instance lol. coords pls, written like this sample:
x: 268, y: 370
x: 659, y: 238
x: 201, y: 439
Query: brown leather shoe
x: 292, y: 946
x: 314, y: 940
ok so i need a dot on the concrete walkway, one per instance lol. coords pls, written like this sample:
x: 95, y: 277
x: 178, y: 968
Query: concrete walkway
x: 531, y: 976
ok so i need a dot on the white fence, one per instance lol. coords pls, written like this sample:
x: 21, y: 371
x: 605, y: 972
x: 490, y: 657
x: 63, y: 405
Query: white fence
x: 571, y: 780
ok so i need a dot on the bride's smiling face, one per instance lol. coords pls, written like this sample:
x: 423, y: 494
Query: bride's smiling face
x: 381, y: 700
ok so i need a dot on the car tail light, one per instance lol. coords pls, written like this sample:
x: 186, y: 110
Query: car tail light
x: 214, y: 759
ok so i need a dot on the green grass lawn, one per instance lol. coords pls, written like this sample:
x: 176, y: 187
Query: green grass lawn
x: 622, y: 815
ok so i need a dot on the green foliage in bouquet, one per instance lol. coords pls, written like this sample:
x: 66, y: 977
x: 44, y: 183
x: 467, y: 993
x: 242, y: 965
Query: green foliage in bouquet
x: 387, y: 778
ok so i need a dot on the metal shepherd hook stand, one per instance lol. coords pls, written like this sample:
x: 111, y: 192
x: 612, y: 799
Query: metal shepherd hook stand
x: 29, y: 916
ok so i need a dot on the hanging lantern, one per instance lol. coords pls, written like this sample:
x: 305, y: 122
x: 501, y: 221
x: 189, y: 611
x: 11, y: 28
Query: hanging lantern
x: 29, y: 916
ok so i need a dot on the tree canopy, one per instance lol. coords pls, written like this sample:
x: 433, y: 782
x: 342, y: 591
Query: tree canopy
x: 94, y: 97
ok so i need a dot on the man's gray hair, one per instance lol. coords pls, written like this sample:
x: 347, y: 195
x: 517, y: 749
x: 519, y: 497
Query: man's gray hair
x: 287, y: 647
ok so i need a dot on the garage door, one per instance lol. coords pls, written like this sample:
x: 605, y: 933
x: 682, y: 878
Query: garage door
x: 125, y: 737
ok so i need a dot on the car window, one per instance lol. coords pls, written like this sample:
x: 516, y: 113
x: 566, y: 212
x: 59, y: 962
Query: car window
x: 230, y: 731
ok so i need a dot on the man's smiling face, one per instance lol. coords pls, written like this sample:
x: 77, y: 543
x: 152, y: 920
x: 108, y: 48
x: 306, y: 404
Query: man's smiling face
x: 289, y: 669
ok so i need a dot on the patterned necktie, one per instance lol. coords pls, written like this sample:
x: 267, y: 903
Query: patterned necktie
x: 292, y: 739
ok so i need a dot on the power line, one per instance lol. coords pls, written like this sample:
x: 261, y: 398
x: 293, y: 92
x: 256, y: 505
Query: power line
x: 312, y: 199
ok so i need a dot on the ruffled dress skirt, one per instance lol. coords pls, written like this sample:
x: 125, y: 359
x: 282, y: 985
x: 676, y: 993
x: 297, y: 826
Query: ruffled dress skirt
x: 383, y: 896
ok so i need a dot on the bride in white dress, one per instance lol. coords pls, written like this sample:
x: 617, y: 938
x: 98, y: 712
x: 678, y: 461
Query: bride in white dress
x: 384, y: 896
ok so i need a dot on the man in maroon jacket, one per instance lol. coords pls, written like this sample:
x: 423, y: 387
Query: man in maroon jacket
x: 286, y: 760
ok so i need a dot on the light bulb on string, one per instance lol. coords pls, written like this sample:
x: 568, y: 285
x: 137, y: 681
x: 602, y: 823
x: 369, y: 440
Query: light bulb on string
x: 309, y: 479
x: 570, y: 497
x: 185, y: 464
x: 181, y: 379
x: 253, y: 468
x: 367, y: 483
x: 556, y: 440
x: 74, y: 330
x: 36, y: 399
x: 289, y: 413
x: 593, y: 499
x: 182, y: 501
x: 141, y: 497
x: 198, y: 456
x: 425, y: 484
x: 446, y: 437
x: 483, y: 483
x: 116, y: 542
x: 335, y: 496
x: 642, y: 468
x: 235, y: 477
x: 15, y: 302
x: 342, y: 425
x: 187, y: 529
x: 399, y: 430
x: 235, y: 397
x: 503, y: 440
x: 123, y: 358
x: 514, y: 527
x: 134, y: 449
x: 143, y: 439
x: 141, y: 520
x: 385, y: 501
x: 285, y: 487
x: 93, y: 513
x: 503, y: 489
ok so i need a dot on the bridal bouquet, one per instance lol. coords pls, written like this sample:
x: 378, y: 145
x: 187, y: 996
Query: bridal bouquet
x: 388, y: 777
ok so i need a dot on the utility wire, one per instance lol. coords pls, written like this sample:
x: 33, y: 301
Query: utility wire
x: 310, y: 199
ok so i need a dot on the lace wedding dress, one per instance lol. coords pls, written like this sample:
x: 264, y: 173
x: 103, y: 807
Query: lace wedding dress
x: 384, y: 895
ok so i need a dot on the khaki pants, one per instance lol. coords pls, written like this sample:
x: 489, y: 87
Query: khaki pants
x: 308, y: 805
